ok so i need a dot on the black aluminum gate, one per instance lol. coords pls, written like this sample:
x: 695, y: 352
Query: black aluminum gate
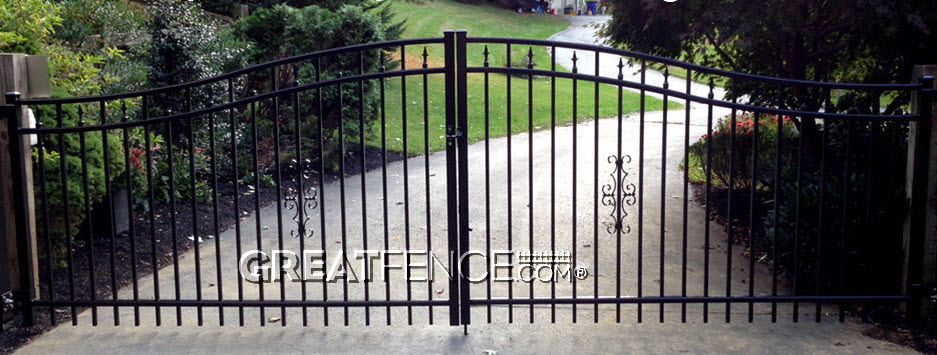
x: 603, y: 205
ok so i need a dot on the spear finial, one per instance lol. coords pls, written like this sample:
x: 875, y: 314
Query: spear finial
x: 486, y: 53
x: 425, y: 55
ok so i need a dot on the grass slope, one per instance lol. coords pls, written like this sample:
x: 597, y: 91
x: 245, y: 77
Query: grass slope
x: 430, y: 19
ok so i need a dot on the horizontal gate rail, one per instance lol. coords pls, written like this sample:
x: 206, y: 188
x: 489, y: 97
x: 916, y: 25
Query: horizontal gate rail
x: 694, y: 67
x: 243, y: 303
x: 474, y: 301
x: 220, y: 79
x: 705, y: 100
x: 691, y: 299
x: 214, y: 109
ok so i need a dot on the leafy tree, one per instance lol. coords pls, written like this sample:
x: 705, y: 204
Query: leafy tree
x: 836, y: 40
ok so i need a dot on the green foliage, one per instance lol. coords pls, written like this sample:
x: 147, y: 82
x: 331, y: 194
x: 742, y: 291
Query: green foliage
x: 79, y: 73
x: 266, y: 180
x: 283, y: 31
x: 839, y: 40
x: 95, y: 24
x: 25, y: 24
x: 862, y: 211
x: 183, y: 175
x: 185, y: 46
x: 78, y: 36
x: 812, y: 181
x: 73, y: 157
x: 137, y: 144
x: 720, y: 144
x: 225, y: 6
x: 179, y: 42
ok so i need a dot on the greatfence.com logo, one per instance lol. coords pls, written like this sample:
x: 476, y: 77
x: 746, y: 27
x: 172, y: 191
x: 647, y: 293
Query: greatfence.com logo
x: 257, y: 266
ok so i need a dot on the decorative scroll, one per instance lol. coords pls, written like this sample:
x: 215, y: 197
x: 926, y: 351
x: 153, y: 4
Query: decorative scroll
x: 618, y: 194
x: 302, y: 198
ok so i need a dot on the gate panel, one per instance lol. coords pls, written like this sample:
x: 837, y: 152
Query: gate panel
x: 611, y: 191
x: 589, y: 184
x: 285, y: 153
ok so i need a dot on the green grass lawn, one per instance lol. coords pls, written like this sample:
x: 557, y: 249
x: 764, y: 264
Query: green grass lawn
x: 430, y: 19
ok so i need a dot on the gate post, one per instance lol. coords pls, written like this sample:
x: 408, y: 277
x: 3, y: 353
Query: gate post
x: 23, y: 259
x: 28, y: 74
x: 451, y: 182
x: 920, y: 231
x: 462, y: 136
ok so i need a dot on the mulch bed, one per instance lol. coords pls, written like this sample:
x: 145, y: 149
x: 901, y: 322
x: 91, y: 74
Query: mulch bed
x: 891, y: 326
x: 14, y: 336
x: 890, y: 323
x: 741, y: 210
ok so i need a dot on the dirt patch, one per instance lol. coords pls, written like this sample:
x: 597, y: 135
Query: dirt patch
x: 146, y: 241
x: 415, y: 60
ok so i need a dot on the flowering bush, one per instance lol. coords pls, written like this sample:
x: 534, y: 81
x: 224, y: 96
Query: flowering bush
x: 159, y: 161
x: 788, y: 230
x: 739, y: 157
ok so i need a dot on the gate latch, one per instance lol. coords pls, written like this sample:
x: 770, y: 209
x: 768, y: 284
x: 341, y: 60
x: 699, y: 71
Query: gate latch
x: 458, y: 134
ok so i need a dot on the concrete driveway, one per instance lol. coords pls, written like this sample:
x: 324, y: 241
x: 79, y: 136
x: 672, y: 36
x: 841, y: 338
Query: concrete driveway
x: 583, y: 29
x: 604, y: 337
x: 663, y: 224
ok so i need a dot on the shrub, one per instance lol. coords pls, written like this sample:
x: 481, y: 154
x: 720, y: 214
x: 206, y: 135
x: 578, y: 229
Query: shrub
x: 185, y: 46
x: 73, y: 167
x: 29, y: 26
x: 224, y: 6
x: 159, y: 160
x: 95, y: 24
x: 870, y: 197
x: 25, y: 24
x: 101, y: 27
x: 283, y: 31
x: 138, y: 154
x: 722, y: 150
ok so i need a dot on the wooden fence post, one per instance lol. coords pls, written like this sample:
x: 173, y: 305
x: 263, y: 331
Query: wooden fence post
x: 27, y: 75
x: 919, y: 275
